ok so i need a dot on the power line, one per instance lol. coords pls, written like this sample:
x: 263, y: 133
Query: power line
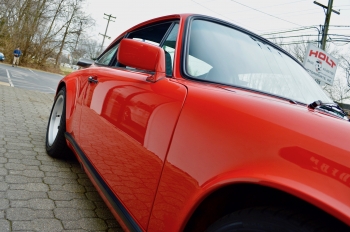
x: 293, y: 36
x: 286, y: 37
x: 340, y: 35
x: 303, y: 28
x: 329, y: 7
x: 292, y: 30
x: 292, y: 13
x: 339, y: 40
x: 240, y: 11
x: 339, y: 26
x: 312, y: 41
x: 265, y: 13
x: 299, y: 42
x: 287, y: 3
x: 326, y: 22
x: 298, y: 12
x: 215, y: 12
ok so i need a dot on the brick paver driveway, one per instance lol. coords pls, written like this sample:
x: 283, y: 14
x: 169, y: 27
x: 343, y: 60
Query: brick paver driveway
x: 38, y: 193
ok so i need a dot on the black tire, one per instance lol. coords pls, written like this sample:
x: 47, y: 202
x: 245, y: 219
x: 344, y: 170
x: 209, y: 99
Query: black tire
x: 273, y: 220
x: 56, y: 145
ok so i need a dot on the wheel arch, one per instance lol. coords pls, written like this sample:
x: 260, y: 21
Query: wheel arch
x: 61, y: 84
x: 224, y: 201
x: 71, y: 95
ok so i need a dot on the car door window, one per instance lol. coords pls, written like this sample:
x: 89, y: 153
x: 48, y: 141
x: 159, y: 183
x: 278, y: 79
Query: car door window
x: 169, y: 48
x: 165, y: 35
x: 108, y: 56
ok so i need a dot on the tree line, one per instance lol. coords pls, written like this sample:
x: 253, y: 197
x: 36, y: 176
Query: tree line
x: 43, y: 29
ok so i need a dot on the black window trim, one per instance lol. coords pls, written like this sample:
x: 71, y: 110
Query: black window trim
x: 113, y: 61
x: 165, y: 38
x: 167, y: 33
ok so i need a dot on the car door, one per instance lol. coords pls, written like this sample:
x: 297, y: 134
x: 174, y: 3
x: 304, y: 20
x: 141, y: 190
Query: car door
x: 127, y: 123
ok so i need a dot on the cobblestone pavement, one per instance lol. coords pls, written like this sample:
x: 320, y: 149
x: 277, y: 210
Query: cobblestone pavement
x: 38, y: 193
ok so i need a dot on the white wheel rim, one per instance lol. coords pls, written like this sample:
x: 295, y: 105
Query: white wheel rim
x: 55, y: 120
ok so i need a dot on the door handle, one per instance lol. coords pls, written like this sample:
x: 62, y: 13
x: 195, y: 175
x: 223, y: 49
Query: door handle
x: 92, y: 79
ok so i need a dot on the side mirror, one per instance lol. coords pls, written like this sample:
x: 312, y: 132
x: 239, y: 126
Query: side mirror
x: 84, y: 63
x: 144, y: 56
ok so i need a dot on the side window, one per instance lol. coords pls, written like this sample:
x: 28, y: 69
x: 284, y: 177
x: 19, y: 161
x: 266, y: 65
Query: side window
x: 163, y: 34
x: 169, y: 48
x: 106, y: 58
x: 152, y: 34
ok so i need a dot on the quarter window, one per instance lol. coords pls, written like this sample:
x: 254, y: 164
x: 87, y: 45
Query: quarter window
x: 169, y: 48
x: 108, y: 57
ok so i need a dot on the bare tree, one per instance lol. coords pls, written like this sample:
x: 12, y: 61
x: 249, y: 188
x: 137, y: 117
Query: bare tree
x: 42, y: 28
x: 340, y: 91
x: 346, y: 66
x: 92, y: 48
x: 74, y: 26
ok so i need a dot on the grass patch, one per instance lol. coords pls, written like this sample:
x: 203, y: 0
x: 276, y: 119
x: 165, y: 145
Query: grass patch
x: 66, y: 70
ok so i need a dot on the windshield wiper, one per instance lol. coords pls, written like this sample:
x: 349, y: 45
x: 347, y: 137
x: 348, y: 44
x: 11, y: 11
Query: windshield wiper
x: 331, y: 108
x: 315, y: 104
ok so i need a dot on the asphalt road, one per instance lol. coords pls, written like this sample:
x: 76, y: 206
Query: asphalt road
x: 30, y: 79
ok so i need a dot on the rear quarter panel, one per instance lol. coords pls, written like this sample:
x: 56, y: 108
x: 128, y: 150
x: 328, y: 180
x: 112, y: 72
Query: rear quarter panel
x: 226, y: 137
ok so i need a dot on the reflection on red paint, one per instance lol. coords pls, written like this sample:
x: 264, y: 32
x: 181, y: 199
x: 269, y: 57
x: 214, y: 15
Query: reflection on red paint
x: 129, y: 108
x: 117, y: 138
x: 172, y: 198
x: 317, y: 163
x: 130, y: 170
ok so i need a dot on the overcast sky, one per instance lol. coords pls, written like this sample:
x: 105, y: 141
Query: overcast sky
x: 258, y: 16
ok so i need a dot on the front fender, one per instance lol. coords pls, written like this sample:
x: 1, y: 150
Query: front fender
x: 307, y: 180
x: 240, y: 137
x: 179, y: 194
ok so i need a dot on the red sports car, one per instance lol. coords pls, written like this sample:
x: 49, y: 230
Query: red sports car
x: 190, y: 123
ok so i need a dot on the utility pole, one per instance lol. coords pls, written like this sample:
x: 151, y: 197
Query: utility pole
x: 326, y: 22
x: 105, y: 34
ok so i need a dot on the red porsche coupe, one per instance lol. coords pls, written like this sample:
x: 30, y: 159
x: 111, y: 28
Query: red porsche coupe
x: 190, y: 123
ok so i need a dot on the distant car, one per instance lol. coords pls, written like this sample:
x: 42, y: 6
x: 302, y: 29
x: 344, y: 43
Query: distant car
x: 190, y: 123
x: 2, y: 56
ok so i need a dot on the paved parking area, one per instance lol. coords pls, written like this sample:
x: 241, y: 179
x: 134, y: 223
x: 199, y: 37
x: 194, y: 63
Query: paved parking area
x: 38, y: 193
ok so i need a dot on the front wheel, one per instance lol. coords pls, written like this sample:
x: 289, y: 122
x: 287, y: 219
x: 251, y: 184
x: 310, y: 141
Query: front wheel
x: 273, y: 220
x: 56, y: 145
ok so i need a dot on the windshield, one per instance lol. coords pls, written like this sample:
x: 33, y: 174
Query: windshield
x: 224, y: 55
